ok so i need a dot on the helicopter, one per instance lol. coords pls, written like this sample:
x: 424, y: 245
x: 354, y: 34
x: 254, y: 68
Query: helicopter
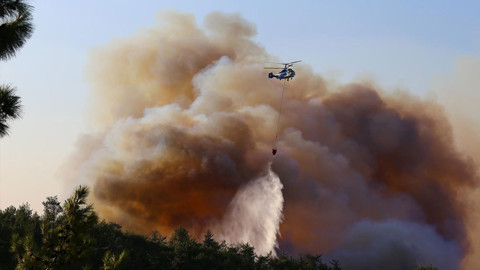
x: 285, y: 73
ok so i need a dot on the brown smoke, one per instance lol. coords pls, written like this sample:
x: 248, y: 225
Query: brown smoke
x: 186, y: 117
x: 460, y: 93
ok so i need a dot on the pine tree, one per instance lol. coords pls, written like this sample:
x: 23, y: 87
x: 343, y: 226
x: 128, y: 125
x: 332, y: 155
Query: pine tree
x: 10, y: 107
x: 112, y: 262
x: 15, y: 28
x: 66, y: 235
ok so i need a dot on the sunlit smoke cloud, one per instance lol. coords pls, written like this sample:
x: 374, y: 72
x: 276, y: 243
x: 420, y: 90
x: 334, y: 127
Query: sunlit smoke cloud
x: 185, y: 118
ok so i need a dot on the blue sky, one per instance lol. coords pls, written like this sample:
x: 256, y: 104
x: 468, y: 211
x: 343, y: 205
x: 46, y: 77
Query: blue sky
x: 402, y: 44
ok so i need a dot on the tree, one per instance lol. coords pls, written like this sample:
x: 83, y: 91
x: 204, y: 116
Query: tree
x: 10, y: 107
x: 185, y: 249
x: 69, y: 236
x: 15, y: 223
x: 51, y: 211
x: 112, y: 262
x: 335, y: 265
x: 15, y: 28
x: 247, y: 253
x: 66, y: 238
x: 209, y: 242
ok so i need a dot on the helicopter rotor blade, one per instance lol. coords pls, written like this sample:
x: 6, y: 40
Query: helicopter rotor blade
x: 285, y: 63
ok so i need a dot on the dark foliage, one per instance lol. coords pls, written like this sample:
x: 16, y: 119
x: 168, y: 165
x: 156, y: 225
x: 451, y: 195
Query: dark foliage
x: 16, y: 222
x: 69, y: 236
x: 10, y: 107
x: 15, y: 26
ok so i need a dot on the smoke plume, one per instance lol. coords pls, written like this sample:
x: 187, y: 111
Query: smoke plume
x: 460, y: 92
x: 185, y: 118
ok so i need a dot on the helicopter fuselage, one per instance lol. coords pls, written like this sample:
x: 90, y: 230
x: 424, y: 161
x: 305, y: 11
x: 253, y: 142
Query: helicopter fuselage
x: 286, y: 73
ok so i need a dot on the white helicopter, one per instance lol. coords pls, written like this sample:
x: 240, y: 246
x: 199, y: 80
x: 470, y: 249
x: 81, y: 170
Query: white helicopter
x: 285, y: 73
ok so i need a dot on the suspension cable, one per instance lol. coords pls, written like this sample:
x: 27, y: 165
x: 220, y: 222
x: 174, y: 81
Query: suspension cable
x: 274, y: 149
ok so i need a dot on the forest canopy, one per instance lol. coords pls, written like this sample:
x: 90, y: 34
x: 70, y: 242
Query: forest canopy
x: 70, y: 236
